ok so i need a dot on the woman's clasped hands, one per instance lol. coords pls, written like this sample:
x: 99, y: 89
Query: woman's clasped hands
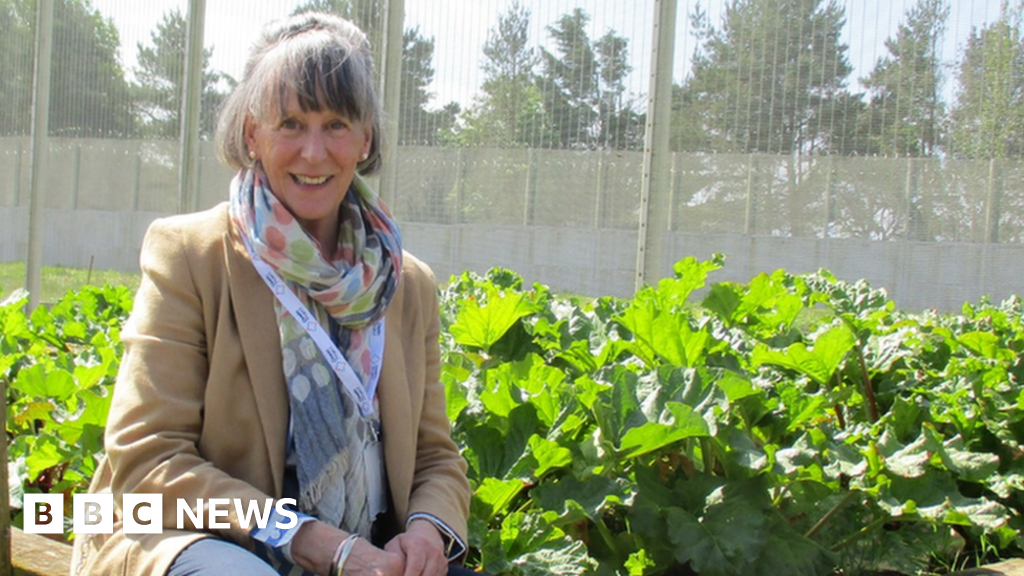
x: 419, y: 551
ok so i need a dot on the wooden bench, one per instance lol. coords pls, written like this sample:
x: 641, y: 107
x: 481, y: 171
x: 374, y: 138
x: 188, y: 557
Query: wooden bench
x: 36, y: 555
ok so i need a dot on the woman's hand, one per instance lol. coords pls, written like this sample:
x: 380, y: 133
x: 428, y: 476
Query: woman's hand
x: 314, y: 546
x: 422, y: 548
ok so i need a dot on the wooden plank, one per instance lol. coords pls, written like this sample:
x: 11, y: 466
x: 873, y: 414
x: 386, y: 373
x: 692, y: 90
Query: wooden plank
x: 5, y: 511
x: 36, y: 555
x: 1014, y: 567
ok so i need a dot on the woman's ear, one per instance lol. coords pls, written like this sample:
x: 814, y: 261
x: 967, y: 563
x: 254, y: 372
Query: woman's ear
x: 367, y: 140
x: 250, y: 134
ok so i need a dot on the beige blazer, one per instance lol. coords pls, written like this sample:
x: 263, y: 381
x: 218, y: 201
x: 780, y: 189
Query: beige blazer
x: 200, y: 408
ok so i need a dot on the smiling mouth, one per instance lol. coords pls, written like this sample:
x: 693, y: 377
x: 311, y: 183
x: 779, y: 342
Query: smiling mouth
x: 310, y: 181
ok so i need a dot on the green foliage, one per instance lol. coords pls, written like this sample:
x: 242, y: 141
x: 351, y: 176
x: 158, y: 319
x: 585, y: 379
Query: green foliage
x: 795, y: 424
x: 57, y: 366
x: 790, y: 425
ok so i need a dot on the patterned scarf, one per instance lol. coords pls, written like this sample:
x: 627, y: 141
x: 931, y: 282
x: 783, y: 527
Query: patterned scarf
x: 347, y: 295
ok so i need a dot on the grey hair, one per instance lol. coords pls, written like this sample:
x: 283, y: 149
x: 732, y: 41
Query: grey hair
x: 324, y: 60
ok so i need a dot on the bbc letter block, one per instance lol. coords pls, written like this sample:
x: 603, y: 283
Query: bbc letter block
x: 93, y: 513
x: 44, y: 514
x: 143, y: 514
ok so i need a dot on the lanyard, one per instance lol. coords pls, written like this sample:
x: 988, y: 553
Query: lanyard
x: 334, y: 357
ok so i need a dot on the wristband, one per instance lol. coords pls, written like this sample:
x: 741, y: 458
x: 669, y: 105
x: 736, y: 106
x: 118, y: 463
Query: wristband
x: 341, y: 554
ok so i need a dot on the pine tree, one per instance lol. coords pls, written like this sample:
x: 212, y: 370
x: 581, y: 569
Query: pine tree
x: 905, y: 110
x: 582, y: 88
x: 159, y: 82
x: 416, y: 124
x: 769, y: 79
x: 508, y: 114
x: 88, y: 92
x: 988, y: 117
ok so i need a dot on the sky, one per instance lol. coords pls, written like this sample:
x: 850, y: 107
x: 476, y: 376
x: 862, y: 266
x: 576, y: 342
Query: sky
x: 460, y: 27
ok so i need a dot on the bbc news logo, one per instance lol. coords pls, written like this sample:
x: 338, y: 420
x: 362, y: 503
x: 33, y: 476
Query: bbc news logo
x: 143, y: 513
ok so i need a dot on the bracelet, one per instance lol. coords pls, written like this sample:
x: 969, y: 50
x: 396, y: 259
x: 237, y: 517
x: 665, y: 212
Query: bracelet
x: 341, y: 554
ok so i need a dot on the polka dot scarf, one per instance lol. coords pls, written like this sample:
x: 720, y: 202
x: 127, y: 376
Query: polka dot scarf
x: 347, y: 295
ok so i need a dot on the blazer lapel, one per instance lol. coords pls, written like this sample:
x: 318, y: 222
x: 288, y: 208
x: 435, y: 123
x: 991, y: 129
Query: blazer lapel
x: 253, y: 309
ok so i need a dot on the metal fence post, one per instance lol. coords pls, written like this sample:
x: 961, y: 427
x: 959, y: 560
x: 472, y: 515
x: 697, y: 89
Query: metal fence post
x: 992, y: 203
x: 654, y: 179
x: 673, y: 186
x: 530, y: 193
x: 5, y: 510
x: 750, y: 208
x: 829, y: 184
x: 40, y: 136
x: 601, y: 187
x: 460, y: 186
x: 188, y: 163
x: 17, y: 176
x: 911, y: 223
x: 391, y: 94
x: 137, y: 180
x: 76, y: 174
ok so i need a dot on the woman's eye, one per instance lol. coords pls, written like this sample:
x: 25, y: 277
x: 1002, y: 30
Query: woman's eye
x: 337, y: 125
x: 289, y: 124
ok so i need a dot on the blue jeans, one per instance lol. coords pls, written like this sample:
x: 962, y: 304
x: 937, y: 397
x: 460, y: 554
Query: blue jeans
x: 213, y: 557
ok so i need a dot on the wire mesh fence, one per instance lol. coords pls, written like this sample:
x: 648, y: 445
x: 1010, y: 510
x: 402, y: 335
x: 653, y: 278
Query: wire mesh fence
x: 803, y: 133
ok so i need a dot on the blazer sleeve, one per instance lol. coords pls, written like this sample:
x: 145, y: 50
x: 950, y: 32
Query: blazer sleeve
x: 157, y: 411
x: 440, y: 488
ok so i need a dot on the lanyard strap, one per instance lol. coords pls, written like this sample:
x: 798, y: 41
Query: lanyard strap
x: 362, y: 395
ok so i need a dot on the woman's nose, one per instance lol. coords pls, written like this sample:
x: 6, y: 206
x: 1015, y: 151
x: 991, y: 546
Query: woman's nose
x: 313, y: 146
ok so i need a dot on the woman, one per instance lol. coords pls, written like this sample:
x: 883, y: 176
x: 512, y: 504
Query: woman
x: 231, y: 385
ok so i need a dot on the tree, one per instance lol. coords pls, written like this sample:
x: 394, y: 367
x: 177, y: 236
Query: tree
x: 570, y: 82
x: 416, y: 124
x: 619, y: 126
x: 366, y: 14
x: 16, y: 41
x: 582, y: 87
x: 508, y: 114
x: 159, y: 82
x: 988, y: 117
x: 88, y: 93
x: 769, y: 78
x: 905, y: 109
x: 90, y: 96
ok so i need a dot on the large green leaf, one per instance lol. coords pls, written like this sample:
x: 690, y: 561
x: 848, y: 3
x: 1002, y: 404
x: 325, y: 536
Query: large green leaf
x: 787, y: 552
x: 726, y: 541
x: 666, y: 334
x: 818, y: 362
x: 986, y: 344
x: 498, y: 494
x: 966, y: 464
x: 593, y: 495
x: 680, y: 422
x: 39, y: 381
x: 549, y: 455
x: 482, y: 325
x: 617, y: 408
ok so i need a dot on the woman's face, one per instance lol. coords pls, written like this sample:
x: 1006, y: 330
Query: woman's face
x: 310, y: 160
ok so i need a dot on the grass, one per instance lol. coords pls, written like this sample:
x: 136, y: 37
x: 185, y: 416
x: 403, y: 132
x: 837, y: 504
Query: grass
x: 59, y: 280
